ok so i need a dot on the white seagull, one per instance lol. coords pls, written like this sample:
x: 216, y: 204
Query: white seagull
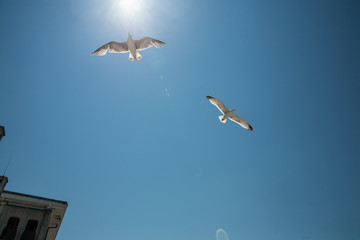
x: 130, y: 45
x: 229, y: 114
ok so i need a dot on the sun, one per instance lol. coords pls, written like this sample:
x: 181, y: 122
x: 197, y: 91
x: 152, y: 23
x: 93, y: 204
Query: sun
x: 130, y: 9
x: 134, y: 16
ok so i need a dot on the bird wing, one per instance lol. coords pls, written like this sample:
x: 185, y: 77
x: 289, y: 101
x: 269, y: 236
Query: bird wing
x: 113, y: 47
x: 147, y: 42
x: 242, y: 122
x: 218, y: 104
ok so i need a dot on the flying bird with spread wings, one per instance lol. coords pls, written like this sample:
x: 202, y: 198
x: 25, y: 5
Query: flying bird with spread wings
x: 130, y: 45
x: 229, y: 114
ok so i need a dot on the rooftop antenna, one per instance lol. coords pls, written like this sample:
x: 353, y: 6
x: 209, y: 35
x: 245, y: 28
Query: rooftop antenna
x: 7, y: 165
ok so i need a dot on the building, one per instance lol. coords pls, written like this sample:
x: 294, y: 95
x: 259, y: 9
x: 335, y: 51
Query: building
x: 27, y: 217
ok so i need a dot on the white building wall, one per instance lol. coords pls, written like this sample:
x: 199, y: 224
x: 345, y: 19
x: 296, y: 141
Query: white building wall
x: 47, y: 212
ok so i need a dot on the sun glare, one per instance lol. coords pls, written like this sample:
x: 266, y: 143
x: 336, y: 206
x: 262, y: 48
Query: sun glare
x: 135, y: 16
x: 130, y: 9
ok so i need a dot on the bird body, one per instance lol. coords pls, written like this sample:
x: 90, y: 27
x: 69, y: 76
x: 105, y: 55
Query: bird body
x: 229, y: 114
x: 132, y: 46
x: 226, y: 115
x: 132, y: 49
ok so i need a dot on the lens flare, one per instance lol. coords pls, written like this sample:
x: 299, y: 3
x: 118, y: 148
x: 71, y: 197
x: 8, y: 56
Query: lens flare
x: 221, y: 234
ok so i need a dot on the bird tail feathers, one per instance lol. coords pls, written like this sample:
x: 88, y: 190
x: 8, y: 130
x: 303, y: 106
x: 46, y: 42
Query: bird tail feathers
x: 221, y: 119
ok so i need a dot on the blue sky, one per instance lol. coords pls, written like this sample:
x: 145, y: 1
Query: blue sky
x: 138, y: 151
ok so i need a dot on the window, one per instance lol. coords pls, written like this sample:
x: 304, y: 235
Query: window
x: 9, y: 231
x: 30, y: 230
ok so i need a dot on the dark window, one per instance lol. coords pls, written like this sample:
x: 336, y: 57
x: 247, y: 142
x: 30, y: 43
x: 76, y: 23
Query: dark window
x: 9, y: 231
x: 30, y: 230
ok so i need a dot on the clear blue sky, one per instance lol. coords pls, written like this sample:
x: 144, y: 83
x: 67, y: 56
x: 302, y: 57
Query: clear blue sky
x: 138, y: 151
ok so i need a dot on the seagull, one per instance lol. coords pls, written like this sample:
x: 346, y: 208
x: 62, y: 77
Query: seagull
x: 130, y: 45
x: 229, y: 114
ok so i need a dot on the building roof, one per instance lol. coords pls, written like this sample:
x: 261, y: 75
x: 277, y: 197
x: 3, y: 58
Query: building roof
x: 32, y: 196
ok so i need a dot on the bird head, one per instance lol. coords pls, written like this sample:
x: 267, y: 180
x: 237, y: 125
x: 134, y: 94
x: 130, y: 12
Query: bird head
x: 232, y: 110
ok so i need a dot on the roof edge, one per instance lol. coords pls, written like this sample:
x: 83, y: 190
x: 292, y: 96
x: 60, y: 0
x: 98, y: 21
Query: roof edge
x: 43, y: 198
